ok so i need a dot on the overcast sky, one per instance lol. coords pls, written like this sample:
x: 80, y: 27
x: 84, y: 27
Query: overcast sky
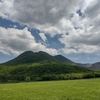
x: 67, y: 27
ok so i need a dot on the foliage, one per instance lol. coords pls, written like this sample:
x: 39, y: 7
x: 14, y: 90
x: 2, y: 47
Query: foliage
x: 39, y: 72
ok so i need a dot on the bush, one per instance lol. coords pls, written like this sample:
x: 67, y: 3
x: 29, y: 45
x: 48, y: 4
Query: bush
x: 27, y: 79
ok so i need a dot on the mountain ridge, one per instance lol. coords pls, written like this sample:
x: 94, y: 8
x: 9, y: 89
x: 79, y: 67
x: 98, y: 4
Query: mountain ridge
x: 38, y: 57
x: 29, y: 57
x: 95, y: 66
x: 32, y: 57
x: 63, y: 59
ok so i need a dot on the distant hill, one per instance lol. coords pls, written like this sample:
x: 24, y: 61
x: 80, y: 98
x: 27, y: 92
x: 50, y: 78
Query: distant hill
x: 84, y: 65
x: 63, y: 59
x: 95, y: 66
x: 38, y: 57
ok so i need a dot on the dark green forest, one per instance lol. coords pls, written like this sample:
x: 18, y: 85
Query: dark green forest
x: 38, y: 72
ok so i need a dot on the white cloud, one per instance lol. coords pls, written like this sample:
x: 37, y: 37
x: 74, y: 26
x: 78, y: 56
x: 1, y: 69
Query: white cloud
x: 81, y: 43
x: 40, y: 14
x: 42, y: 35
x: 79, y: 34
x: 86, y: 37
x: 16, y: 41
x: 15, y: 26
x: 85, y: 3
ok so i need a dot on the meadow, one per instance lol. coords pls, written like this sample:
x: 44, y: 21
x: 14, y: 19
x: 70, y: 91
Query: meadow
x: 84, y: 89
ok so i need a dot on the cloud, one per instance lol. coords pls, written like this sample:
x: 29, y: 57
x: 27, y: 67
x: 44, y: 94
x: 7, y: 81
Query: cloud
x: 16, y: 41
x: 79, y: 34
x: 40, y: 14
x: 92, y: 14
x: 93, y: 9
x: 42, y: 35
x: 84, y: 36
x: 81, y: 43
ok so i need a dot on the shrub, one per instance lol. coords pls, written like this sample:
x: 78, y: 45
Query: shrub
x: 27, y: 79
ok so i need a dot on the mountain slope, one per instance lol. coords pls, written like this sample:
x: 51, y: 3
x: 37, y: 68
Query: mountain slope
x: 31, y: 57
x: 62, y: 59
x: 38, y: 57
x: 95, y: 66
x: 24, y: 54
x: 84, y: 65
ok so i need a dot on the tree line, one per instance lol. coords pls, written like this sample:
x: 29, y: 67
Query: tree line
x: 44, y: 72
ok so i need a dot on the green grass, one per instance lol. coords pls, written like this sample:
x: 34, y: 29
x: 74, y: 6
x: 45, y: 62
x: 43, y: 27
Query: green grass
x: 88, y: 89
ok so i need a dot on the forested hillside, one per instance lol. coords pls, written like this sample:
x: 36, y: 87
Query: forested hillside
x: 40, y: 66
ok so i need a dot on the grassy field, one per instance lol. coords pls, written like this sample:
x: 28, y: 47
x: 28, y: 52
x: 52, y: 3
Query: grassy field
x: 88, y: 89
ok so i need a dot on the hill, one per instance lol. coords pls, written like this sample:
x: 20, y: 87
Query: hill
x: 63, y: 59
x: 95, y: 66
x: 40, y: 66
x: 31, y: 57
x: 38, y: 57
x: 84, y: 65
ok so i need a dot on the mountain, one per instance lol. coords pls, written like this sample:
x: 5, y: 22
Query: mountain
x: 63, y: 59
x: 31, y: 57
x: 95, y: 66
x: 41, y: 66
x: 84, y: 65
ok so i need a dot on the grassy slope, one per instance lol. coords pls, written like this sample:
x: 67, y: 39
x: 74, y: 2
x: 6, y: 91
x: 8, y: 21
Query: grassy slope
x: 54, y: 90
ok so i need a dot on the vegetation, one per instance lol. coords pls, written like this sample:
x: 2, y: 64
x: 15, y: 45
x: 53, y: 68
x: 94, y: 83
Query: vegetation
x: 41, y: 66
x: 62, y: 59
x: 31, y: 57
x: 38, y: 57
x: 55, y: 90
x: 44, y: 72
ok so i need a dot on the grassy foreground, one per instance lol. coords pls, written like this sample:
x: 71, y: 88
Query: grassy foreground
x: 88, y: 89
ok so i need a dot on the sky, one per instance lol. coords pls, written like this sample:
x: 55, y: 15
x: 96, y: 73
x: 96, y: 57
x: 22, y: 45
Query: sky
x: 67, y: 27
